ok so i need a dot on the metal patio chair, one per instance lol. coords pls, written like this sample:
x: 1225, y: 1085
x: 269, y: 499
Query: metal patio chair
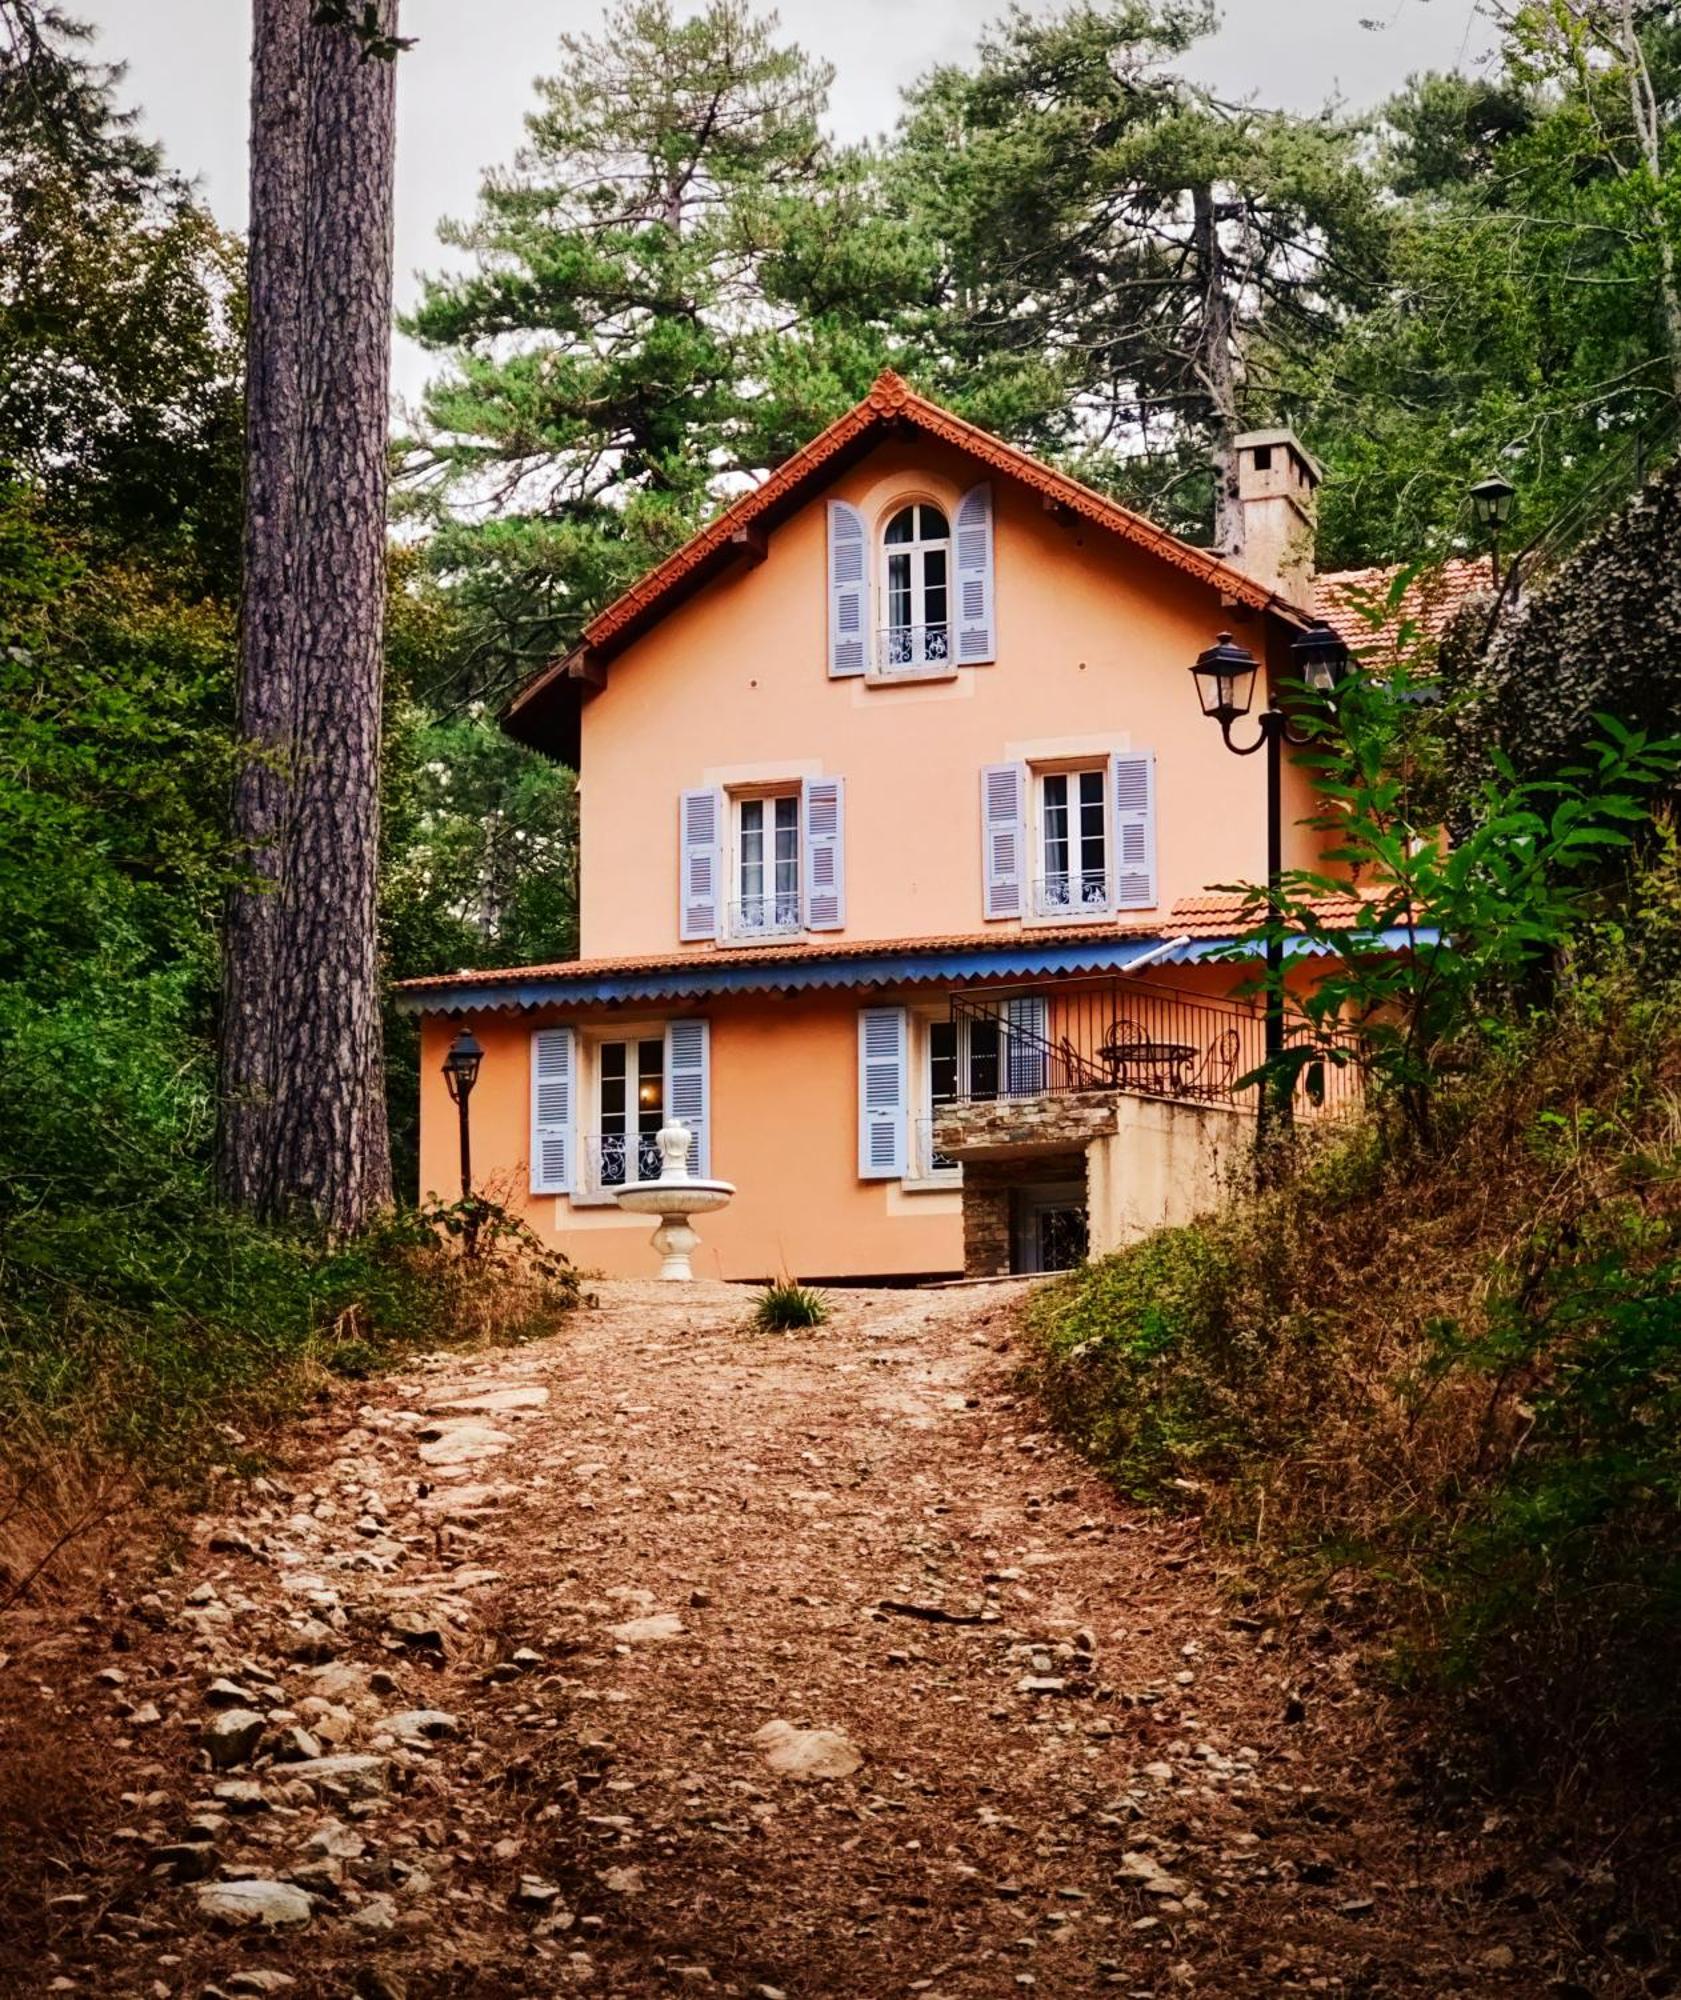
x: 1212, y: 1082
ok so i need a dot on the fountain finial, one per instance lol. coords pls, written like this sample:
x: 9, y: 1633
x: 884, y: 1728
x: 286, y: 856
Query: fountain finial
x: 674, y: 1143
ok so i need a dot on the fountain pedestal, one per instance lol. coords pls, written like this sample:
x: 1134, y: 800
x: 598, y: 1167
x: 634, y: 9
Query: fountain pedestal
x: 674, y: 1198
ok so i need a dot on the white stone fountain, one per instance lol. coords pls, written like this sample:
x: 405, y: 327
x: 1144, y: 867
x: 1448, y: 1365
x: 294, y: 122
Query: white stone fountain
x: 674, y: 1197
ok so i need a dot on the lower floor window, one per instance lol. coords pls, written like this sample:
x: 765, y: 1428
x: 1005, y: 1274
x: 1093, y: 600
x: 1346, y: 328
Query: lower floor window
x: 963, y: 1066
x: 631, y: 1111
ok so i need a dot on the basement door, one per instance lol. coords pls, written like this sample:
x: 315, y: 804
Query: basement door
x: 1049, y: 1231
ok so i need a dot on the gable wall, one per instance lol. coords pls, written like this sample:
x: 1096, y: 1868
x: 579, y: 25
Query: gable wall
x: 1094, y: 643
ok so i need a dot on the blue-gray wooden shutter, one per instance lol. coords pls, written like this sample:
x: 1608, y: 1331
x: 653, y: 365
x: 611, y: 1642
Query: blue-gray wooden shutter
x: 883, y: 1092
x: 823, y: 809
x: 552, y: 1110
x: 849, y: 591
x: 1026, y: 1032
x: 688, y: 1087
x: 700, y: 837
x: 1004, y: 838
x: 977, y: 634
x: 1134, y: 780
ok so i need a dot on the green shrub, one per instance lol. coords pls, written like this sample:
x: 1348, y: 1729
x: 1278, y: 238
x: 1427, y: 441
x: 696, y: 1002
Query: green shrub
x: 787, y: 1306
x: 134, y: 1338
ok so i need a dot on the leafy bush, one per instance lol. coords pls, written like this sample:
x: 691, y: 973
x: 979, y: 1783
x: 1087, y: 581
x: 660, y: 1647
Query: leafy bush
x: 1448, y: 935
x: 786, y: 1306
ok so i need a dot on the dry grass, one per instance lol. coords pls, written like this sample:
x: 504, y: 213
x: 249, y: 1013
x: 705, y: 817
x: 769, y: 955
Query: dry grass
x: 1449, y: 1373
x: 58, y: 1807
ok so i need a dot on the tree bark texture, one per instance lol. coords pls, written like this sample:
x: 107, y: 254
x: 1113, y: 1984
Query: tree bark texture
x: 312, y: 1135
x: 267, y: 683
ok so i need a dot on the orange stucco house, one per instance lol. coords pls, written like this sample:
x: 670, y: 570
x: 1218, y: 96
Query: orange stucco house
x: 898, y: 817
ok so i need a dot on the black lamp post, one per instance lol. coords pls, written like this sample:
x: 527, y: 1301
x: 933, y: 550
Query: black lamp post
x: 461, y: 1072
x: 1492, y: 502
x: 1225, y: 680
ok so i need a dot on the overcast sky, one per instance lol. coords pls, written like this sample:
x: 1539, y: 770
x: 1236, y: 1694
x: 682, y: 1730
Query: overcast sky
x: 465, y: 86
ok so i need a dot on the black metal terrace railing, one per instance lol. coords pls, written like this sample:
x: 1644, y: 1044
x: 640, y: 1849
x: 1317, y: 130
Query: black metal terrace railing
x: 1123, y: 1036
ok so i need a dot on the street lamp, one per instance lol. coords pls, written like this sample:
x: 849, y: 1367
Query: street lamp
x: 461, y: 1072
x: 1321, y: 659
x: 1225, y: 681
x: 1492, y: 503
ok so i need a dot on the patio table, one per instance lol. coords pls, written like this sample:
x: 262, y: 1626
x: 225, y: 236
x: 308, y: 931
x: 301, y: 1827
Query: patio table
x: 1165, y: 1063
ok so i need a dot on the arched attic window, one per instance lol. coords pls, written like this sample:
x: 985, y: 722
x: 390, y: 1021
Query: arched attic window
x: 916, y: 586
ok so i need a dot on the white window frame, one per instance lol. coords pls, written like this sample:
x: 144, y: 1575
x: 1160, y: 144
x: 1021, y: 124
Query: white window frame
x: 587, y: 1191
x: 734, y: 929
x: 922, y: 1172
x: 1039, y: 908
x: 893, y: 659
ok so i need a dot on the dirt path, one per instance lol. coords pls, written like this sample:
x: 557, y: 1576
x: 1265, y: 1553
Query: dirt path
x: 552, y: 1635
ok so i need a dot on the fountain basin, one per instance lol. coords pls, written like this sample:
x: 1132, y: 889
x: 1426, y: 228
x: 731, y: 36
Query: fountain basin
x: 675, y: 1197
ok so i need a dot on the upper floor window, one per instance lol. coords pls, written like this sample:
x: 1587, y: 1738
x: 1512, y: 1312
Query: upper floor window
x: 911, y: 593
x: 1063, y: 840
x: 765, y: 861
x: 1073, y: 873
x: 766, y: 866
x: 916, y: 581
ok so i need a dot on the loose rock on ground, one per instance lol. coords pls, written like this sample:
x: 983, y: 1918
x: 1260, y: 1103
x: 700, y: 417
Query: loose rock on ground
x: 666, y: 1655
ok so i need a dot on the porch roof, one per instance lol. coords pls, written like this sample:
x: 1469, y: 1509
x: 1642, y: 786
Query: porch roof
x: 1198, y: 928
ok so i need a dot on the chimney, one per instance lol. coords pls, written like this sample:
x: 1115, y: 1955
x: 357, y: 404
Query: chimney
x: 1277, y: 490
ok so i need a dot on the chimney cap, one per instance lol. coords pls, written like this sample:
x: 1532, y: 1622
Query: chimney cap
x: 1282, y: 434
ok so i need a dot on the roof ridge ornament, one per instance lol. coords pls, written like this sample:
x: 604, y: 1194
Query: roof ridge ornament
x: 889, y: 393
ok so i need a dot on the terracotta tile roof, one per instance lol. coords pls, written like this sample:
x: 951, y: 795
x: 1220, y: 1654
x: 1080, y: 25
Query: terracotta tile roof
x: 803, y: 952
x: 1221, y: 916
x: 891, y: 404
x: 1347, y: 599
x: 1196, y: 918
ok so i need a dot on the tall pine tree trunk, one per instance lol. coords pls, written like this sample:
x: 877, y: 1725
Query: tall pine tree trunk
x: 1216, y: 365
x: 313, y: 1137
x: 267, y: 678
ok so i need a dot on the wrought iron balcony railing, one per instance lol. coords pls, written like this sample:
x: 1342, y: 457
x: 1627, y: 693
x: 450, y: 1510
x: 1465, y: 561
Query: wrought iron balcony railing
x: 1150, y: 1041
x: 767, y: 916
x: 909, y: 650
x: 1084, y: 893
x: 617, y: 1159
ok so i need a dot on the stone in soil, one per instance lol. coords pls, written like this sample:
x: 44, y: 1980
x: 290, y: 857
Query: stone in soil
x: 513, y: 1396
x: 231, y: 1736
x: 250, y: 1902
x: 463, y: 1443
x: 808, y: 1753
x: 650, y: 1631
x: 428, y: 1725
x: 361, y: 1777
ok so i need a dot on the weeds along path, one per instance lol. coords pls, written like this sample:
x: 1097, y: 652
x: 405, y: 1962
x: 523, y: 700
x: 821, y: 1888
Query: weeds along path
x: 664, y: 1656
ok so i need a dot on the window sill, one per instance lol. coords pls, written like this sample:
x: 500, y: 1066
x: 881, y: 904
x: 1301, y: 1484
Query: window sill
x: 1061, y: 919
x: 746, y: 940
x: 943, y: 1183
x: 912, y: 676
